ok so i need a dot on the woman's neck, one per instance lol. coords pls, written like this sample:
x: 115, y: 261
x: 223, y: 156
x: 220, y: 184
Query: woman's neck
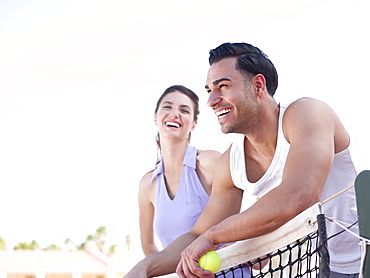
x: 173, y: 154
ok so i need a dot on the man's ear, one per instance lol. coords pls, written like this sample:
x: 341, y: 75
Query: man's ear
x: 259, y: 83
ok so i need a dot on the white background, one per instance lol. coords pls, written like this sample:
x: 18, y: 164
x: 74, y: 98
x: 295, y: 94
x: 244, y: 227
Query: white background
x: 79, y: 81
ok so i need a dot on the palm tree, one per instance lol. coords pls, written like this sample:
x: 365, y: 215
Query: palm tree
x: 33, y: 245
x: 100, y: 237
x: 128, y: 241
x: 2, y: 244
x: 71, y: 245
x: 52, y: 247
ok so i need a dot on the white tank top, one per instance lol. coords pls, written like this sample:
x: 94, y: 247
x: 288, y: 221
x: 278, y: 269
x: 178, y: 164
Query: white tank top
x: 344, y: 248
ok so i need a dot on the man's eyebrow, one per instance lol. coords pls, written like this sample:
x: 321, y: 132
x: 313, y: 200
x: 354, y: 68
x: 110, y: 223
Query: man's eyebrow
x: 214, y: 83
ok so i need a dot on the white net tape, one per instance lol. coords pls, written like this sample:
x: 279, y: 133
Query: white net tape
x: 243, y: 251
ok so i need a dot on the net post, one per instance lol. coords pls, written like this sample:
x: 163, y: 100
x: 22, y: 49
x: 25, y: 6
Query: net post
x: 362, y: 189
x: 324, y: 268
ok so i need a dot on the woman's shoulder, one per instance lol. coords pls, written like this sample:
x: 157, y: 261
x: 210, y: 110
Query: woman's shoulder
x: 146, y: 179
x: 208, y: 157
x: 147, y: 187
x: 208, y: 154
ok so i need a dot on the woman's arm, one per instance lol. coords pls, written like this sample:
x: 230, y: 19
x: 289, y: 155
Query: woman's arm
x: 146, y: 207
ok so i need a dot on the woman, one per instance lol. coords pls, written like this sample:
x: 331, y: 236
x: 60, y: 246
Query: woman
x: 172, y: 197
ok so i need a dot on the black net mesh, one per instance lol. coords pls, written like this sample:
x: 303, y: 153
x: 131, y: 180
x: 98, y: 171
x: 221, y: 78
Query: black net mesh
x: 298, y: 259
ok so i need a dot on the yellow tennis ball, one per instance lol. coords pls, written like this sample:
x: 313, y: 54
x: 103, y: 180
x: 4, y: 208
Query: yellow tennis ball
x: 210, y: 261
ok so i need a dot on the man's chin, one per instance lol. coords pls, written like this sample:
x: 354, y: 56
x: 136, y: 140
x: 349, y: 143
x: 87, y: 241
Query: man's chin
x: 225, y: 130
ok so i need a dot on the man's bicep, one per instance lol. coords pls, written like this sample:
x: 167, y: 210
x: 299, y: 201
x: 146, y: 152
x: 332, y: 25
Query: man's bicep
x: 311, y: 151
x: 225, y: 199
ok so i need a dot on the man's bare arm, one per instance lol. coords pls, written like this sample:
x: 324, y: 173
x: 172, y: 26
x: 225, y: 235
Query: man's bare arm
x: 310, y: 127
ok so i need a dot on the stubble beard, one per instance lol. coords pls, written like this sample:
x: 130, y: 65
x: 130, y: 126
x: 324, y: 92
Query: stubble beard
x: 247, y: 116
x: 241, y: 126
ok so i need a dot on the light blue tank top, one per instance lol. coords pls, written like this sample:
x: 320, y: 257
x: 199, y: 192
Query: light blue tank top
x: 174, y: 217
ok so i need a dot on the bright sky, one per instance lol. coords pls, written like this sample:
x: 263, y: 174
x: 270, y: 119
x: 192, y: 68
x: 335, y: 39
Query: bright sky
x: 79, y: 81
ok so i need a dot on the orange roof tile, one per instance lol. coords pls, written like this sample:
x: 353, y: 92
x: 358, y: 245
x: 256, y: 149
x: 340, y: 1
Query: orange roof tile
x: 28, y: 261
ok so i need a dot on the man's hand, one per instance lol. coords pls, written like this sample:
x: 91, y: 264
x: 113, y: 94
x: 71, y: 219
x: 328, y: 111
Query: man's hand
x: 188, y: 265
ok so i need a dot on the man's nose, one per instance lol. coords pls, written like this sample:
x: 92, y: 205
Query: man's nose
x: 213, y: 99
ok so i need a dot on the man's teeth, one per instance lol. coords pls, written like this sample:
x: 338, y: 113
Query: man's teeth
x: 173, y: 124
x: 222, y: 112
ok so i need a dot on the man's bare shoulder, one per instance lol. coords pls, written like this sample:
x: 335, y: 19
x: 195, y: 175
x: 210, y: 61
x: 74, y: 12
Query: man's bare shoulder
x: 307, y: 105
x: 223, y: 165
x: 310, y: 117
x: 308, y: 112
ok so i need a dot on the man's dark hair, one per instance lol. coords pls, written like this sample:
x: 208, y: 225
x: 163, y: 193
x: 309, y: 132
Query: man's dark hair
x: 250, y: 61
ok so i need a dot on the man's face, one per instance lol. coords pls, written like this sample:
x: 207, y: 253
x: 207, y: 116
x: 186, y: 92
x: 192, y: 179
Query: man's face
x: 231, y: 99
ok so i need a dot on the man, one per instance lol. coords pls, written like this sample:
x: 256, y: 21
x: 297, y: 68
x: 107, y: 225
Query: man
x: 289, y: 157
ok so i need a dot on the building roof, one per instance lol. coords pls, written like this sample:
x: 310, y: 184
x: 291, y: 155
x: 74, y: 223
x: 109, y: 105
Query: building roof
x: 29, y: 261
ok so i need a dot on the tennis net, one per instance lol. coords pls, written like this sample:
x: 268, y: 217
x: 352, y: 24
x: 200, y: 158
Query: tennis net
x: 296, y: 249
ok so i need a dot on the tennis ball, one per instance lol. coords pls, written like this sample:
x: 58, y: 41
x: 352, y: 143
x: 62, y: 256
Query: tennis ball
x: 210, y: 261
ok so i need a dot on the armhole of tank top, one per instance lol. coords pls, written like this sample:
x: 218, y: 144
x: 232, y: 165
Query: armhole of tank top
x: 236, y: 145
x: 281, y: 120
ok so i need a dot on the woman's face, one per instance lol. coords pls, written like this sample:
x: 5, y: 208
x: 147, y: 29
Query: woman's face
x: 175, y: 116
